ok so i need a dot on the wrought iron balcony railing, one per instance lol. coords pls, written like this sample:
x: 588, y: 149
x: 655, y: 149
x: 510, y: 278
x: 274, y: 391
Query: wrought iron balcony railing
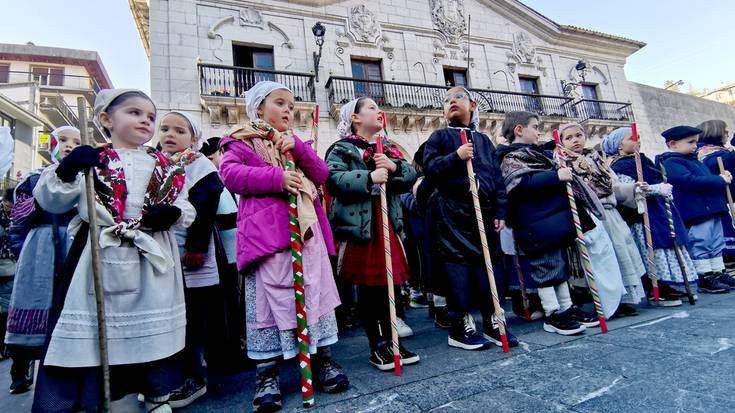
x: 586, y: 109
x: 234, y: 81
x: 419, y: 96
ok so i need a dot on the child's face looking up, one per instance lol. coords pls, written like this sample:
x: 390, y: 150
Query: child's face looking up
x: 529, y: 133
x: 685, y: 146
x: 458, y: 107
x: 370, y: 119
x: 277, y: 109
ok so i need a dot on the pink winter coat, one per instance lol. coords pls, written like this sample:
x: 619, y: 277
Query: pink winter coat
x: 262, y: 216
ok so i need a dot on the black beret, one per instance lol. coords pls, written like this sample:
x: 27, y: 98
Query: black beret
x: 680, y: 132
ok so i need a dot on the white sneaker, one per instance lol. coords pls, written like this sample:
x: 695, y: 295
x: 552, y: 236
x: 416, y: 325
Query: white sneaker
x: 403, y: 329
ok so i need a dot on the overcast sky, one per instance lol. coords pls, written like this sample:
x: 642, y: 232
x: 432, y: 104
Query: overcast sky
x: 691, y: 41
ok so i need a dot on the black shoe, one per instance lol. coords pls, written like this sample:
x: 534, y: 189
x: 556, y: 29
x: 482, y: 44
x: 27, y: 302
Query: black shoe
x: 582, y: 317
x: 441, y: 317
x: 267, y: 396
x: 562, y: 323
x: 382, y: 357
x: 493, y: 335
x: 625, y: 310
x: 407, y: 357
x: 21, y: 376
x: 463, y: 334
x: 709, y: 283
x: 186, y: 394
x: 331, y: 378
x: 726, y: 279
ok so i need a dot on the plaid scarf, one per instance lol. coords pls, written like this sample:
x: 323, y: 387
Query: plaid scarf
x: 590, y: 167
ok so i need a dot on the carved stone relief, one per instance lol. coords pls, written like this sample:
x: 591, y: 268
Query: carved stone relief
x: 448, y: 17
x: 249, y: 16
x: 362, y: 25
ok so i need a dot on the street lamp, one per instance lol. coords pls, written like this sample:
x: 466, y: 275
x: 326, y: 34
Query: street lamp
x: 318, y: 30
x: 568, y: 87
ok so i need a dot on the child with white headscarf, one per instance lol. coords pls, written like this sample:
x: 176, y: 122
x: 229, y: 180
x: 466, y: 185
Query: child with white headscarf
x: 140, y: 199
x: 355, y: 171
x: 180, y: 137
x: 253, y: 167
x: 37, y: 238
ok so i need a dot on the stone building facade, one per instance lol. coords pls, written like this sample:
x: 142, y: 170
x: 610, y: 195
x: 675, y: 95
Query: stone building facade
x: 205, y: 53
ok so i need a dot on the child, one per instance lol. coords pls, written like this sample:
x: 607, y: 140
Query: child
x: 699, y: 196
x: 180, y: 137
x: 253, y: 167
x: 589, y: 166
x: 355, y: 170
x: 37, y: 238
x: 540, y: 216
x: 7, y: 266
x: 712, y: 146
x: 232, y: 356
x: 140, y: 197
x: 620, y: 147
x: 456, y: 233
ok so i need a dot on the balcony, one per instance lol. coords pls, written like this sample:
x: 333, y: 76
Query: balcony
x: 59, y: 112
x: 411, y: 105
x: 222, y: 91
x: 55, y: 83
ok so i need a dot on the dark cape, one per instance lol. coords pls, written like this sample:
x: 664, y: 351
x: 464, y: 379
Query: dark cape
x: 456, y: 236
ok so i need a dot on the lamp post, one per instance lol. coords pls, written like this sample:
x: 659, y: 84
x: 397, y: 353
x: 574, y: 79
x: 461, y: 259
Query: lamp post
x: 568, y: 87
x: 318, y: 30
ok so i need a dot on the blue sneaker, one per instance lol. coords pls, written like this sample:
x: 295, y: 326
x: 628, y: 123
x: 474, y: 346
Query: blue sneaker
x: 463, y: 334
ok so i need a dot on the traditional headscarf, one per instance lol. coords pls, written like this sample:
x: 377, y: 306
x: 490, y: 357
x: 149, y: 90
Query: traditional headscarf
x: 106, y: 96
x: 475, y: 119
x: 196, y: 128
x: 611, y: 143
x: 54, y: 149
x: 257, y: 94
x: 344, y: 129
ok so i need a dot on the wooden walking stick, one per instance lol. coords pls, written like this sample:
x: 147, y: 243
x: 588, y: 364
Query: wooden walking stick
x: 94, y: 242
x: 677, y: 250
x: 727, y: 190
x: 499, y: 316
x: 650, y: 261
x: 388, y: 261
x: 302, y: 326
x: 581, y: 243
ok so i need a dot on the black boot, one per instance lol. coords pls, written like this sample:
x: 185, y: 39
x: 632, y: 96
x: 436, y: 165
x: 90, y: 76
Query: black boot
x: 21, y: 375
x: 330, y: 376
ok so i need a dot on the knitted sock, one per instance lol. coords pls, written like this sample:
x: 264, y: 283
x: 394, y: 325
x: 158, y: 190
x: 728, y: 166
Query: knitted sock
x: 548, y: 298
x: 562, y: 294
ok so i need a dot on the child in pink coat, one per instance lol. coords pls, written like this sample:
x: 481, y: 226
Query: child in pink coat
x: 252, y: 166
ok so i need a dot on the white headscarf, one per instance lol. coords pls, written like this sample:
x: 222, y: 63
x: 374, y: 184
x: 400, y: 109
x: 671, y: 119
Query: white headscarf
x: 196, y: 128
x: 257, y: 94
x: 475, y: 119
x: 344, y: 129
x: 106, y: 96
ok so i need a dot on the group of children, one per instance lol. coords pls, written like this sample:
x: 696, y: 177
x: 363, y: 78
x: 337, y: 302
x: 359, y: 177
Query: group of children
x: 184, y: 226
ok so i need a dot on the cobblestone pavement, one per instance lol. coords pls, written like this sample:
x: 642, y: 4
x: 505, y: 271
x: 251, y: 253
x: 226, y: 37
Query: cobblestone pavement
x: 666, y: 359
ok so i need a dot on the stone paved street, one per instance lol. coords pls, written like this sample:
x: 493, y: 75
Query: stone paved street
x: 668, y: 360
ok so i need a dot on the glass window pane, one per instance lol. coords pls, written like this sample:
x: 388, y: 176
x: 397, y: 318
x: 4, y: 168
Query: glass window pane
x: 56, y: 78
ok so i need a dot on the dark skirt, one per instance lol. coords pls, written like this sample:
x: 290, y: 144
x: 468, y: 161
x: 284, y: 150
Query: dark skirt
x: 61, y: 389
x: 363, y: 263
